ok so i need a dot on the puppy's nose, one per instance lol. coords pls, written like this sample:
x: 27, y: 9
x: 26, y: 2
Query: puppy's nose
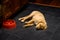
x: 39, y: 28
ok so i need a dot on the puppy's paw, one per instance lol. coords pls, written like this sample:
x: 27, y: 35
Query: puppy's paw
x: 26, y: 22
x: 22, y: 19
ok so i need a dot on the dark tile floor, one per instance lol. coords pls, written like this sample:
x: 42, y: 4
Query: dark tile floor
x: 52, y: 16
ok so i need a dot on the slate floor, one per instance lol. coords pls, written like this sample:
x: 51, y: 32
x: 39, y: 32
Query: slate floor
x: 52, y: 16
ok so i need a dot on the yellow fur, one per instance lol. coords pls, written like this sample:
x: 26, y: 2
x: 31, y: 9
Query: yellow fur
x: 37, y: 18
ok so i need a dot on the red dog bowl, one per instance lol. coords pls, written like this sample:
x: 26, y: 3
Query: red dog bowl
x: 9, y: 24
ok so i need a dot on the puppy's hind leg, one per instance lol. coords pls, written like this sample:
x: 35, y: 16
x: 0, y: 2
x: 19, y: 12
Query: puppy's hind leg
x: 28, y: 25
x: 26, y: 17
x: 29, y: 22
x: 23, y: 18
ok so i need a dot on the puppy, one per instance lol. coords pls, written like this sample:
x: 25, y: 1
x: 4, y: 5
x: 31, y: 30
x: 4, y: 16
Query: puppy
x: 37, y: 18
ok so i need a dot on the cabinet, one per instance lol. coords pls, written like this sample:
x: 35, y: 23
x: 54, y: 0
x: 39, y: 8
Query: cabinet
x: 9, y: 7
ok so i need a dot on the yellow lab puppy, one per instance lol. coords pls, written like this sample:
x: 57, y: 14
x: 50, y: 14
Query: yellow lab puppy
x: 37, y: 18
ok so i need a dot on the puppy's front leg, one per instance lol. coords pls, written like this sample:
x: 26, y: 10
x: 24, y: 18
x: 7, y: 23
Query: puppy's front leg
x: 27, y: 25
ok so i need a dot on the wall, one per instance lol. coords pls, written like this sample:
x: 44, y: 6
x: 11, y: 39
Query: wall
x: 53, y: 3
